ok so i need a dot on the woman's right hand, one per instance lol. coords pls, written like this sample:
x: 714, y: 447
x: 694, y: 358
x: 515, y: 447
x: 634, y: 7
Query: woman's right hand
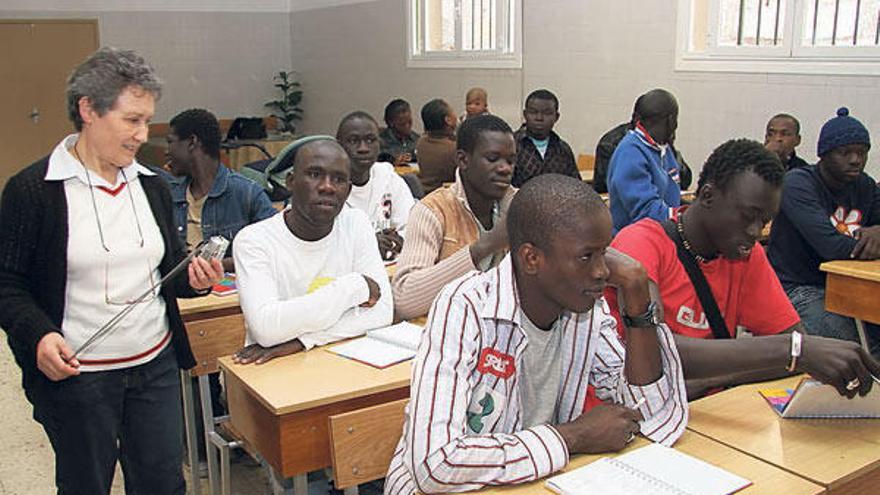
x: 54, y: 357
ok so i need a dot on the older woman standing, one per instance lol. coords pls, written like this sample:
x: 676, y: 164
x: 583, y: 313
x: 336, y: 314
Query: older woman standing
x: 83, y: 233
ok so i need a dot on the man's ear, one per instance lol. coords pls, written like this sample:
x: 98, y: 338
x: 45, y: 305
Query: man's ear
x: 708, y: 194
x: 288, y: 181
x: 194, y: 143
x: 530, y: 257
x: 797, y: 141
x: 450, y: 121
x: 461, y: 159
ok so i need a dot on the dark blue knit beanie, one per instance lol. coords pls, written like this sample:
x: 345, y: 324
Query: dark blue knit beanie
x: 841, y: 131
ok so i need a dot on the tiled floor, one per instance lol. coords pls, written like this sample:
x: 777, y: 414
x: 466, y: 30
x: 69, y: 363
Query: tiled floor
x: 27, y: 463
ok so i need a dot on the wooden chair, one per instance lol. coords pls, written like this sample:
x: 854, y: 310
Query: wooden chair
x: 362, y: 443
x: 210, y: 339
x: 586, y: 165
x: 586, y: 162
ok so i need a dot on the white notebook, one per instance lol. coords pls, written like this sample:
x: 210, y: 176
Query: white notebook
x: 383, y: 347
x: 653, y: 469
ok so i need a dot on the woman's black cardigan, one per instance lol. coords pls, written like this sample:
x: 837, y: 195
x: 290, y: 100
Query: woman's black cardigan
x: 33, y: 265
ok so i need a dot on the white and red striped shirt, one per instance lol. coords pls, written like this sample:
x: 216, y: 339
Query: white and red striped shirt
x: 463, y: 427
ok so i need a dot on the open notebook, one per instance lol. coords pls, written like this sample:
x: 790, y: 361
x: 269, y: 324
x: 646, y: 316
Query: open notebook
x: 383, y: 347
x: 651, y: 469
x: 812, y: 399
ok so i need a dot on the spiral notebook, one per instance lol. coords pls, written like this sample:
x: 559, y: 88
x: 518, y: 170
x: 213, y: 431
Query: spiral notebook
x: 651, y: 469
x: 812, y: 399
x: 383, y: 347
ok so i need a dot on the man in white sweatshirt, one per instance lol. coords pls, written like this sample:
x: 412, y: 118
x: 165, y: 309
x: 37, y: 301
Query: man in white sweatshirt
x: 376, y: 188
x: 311, y: 274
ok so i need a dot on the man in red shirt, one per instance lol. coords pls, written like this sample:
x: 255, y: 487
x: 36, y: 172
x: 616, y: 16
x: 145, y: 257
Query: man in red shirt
x: 738, y: 193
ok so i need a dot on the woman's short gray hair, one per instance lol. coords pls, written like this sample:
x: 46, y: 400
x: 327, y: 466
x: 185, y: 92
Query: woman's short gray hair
x: 103, y: 76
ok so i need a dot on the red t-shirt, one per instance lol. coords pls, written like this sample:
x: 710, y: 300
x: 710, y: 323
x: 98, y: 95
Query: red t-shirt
x: 747, y: 291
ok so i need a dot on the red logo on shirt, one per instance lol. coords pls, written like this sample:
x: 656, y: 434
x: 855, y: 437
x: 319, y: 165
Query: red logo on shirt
x: 496, y: 363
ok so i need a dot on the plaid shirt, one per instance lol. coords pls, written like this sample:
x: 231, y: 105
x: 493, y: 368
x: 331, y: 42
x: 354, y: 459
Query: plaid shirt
x: 394, y: 146
x: 463, y: 427
x: 558, y: 159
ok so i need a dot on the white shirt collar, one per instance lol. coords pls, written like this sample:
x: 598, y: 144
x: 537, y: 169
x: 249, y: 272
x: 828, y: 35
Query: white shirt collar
x: 63, y: 166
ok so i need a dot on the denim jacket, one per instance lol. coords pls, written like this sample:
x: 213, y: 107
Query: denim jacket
x: 233, y: 202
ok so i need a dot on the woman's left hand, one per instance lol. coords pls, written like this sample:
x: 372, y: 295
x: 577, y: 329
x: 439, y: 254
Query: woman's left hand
x: 203, y: 274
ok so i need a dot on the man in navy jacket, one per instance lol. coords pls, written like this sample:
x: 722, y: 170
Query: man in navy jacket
x: 830, y: 211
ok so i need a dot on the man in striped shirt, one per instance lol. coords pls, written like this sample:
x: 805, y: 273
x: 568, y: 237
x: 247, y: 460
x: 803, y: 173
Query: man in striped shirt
x: 507, y: 356
x: 459, y: 228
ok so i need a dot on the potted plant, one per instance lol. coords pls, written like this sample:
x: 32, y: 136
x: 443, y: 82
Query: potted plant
x: 286, y: 108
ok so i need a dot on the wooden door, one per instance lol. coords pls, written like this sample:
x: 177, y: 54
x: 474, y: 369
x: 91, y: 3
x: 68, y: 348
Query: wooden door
x: 36, y: 59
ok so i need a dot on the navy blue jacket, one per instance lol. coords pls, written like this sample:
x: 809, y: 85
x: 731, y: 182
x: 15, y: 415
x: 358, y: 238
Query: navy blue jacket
x: 815, y: 224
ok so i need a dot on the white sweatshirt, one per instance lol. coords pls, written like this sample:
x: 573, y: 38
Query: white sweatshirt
x: 290, y: 288
x: 385, y: 198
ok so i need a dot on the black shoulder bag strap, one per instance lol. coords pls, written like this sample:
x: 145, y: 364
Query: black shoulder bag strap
x: 707, y: 300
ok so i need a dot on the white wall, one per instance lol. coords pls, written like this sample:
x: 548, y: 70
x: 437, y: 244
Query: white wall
x: 597, y: 56
x: 354, y: 57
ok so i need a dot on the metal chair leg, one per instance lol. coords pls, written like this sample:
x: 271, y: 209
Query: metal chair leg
x: 189, y: 423
x: 208, y: 423
x: 863, y: 339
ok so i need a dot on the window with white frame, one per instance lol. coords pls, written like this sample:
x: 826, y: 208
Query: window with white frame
x: 464, y: 33
x: 788, y: 36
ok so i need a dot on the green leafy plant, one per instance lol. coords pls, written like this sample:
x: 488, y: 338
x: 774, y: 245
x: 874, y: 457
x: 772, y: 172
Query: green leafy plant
x: 286, y: 108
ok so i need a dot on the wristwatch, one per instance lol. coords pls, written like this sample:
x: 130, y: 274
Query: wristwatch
x: 650, y: 318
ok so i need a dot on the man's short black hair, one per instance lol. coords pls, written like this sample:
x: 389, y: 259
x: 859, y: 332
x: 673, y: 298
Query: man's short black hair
x: 394, y: 108
x: 544, y: 207
x: 653, y: 105
x: 543, y: 94
x: 357, y: 114
x: 797, y: 124
x: 738, y: 156
x: 470, y: 130
x: 201, y: 124
x: 434, y: 115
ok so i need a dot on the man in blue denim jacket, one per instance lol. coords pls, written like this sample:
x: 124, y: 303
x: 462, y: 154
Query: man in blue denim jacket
x: 209, y: 199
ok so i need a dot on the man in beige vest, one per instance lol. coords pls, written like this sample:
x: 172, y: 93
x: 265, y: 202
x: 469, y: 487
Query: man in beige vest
x: 459, y: 228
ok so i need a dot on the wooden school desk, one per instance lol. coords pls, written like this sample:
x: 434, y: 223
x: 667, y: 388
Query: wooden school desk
x: 281, y: 408
x: 764, y: 477
x: 839, y: 454
x: 853, y: 289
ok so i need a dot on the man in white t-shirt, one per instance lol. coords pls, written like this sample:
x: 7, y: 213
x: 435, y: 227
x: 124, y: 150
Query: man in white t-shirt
x: 311, y: 274
x: 376, y: 187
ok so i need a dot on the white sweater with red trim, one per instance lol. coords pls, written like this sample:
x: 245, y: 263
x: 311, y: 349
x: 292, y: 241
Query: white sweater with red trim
x: 463, y: 423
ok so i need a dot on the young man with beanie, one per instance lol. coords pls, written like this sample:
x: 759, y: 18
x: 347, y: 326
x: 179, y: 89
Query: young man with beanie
x: 311, y: 274
x: 830, y: 211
